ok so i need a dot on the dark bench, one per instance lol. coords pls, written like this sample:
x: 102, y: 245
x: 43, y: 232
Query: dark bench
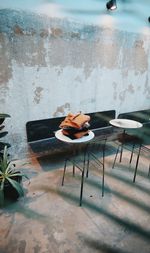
x: 41, y: 133
x: 42, y: 129
x: 143, y: 116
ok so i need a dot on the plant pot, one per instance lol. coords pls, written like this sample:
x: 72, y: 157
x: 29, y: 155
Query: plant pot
x: 9, y: 191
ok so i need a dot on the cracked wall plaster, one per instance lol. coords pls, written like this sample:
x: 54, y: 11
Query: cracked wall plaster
x: 51, y: 66
x: 38, y: 94
x: 5, y: 60
x: 62, y: 110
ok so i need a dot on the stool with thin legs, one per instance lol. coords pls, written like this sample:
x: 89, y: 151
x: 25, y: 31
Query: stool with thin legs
x: 96, y: 155
x: 78, y: 157
x: 142, y: 149
x: 80, y: 164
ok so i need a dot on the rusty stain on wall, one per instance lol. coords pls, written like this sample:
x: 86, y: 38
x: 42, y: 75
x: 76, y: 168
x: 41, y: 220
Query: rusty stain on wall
x: 5, y: 62
x: 85, y: 48
x: 38, y: 94
x: 56, y: 32
x: 139, y: 57
x: 18, y: 30
x: 106, y: 54
x: 44, y: 33
x: 130, y: 89
x: 135, y: 58
x: 62, y: 110
x: 28, y: 50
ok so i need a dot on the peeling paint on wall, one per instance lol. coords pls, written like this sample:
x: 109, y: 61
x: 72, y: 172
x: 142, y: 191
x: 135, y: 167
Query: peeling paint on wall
x: 17, y: 30
x: 27, y: 50
x: 44, y: 33
x: 62, y: 110
x: 122, y: 96
x: 59, y: 71
x: 5, y: 62
x: 115, y: 90
x: 147, y: 88
x: 86, y: 46
x: 130, y: 89
x: 52, y: 66
x: 56, y: 32
x: 140, y: 60
x: 38, y: 94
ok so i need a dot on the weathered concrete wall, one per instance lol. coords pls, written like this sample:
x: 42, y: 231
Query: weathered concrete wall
x: 51, y: 66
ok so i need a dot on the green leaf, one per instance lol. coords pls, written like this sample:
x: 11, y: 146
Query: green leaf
x: 18, y: 174
x: 2, y: 192
x: 4, y: 115
x: 2, y: 134
x: 9, y: 168
x: 5, y: 154
x: 1, y: 127
x: 1, y: 197
x: 3, y: 144
x: 4, y: 161
x: 2, y: 184
x: 17, y: 186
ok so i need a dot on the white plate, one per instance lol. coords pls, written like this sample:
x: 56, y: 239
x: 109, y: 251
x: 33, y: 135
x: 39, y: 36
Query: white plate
x: 125, y: 123
x: 60, y: 136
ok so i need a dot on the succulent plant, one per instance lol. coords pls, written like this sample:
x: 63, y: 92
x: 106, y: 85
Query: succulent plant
x: 10, y: 179
x: 3, y: 133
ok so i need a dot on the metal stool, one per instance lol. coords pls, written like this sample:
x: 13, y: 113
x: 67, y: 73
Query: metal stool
x: 94, y: 150
x: 134, y: 146
x: 144, y: 149
x: 77, y: 163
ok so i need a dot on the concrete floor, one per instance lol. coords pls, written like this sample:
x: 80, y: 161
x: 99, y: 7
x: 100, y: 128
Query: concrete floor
x: 49, y: 220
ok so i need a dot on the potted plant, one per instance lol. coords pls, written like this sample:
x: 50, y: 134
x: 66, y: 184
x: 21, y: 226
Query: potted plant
x: 3, y: 133
x: 10, y: 179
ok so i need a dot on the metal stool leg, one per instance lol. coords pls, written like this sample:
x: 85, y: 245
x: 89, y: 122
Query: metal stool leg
x: 132, y: 153
x: 88, y: 161
x: 65, y: 165
x: 81, y: 191
x: 121, y: 152
x: 73, y: 171
x: 74, y: 153
x: 122, y: 144
x: 149, y: 171
x: 82, y: 178
x: 103, y: 169
x: 103, y: 181
x: 137, y: 162
x: 116, y: 157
